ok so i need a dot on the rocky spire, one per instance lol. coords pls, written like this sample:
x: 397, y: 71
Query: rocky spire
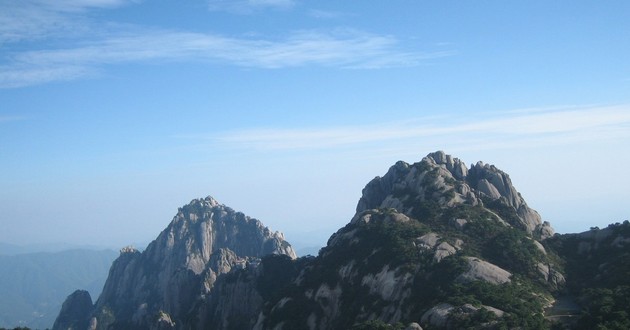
x: 75, y: 311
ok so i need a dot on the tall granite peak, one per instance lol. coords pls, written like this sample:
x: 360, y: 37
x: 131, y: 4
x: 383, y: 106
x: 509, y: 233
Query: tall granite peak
x: 204, y: 240
x: 204, y: 226
x: 446, y: 181
x: 433, y: 244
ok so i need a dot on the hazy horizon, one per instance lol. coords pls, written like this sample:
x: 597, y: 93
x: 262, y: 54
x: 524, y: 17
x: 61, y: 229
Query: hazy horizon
x: 117, y: 112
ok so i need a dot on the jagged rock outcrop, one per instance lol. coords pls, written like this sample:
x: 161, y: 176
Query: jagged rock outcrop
x: 551, y: 275
x: 447, y: 181
x: 480, y: 270
x: 437, y: 315
x: 74, y: 312
x: 160, y: 287
x: 442, y: 315
x: 233, y: 303
x: 429, y: 242
x: 413, y: 326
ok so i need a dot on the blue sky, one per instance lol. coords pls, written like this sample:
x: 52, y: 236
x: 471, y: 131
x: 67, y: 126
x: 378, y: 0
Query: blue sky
x: 113, y: 113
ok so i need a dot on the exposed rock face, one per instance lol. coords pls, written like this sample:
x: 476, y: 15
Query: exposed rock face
x: 159, y: 287
x: 233, y: 303
x: 386, y: 283
x: 442, y: 315
x: 429, y: 242
x: 446, y: 180
x: 438, y: 315
x: 413, y: 326
x: 74, y: 312
x: 479, y: 270
x: 551, y: 275
x: 443, y: 250
x: 163, y: 322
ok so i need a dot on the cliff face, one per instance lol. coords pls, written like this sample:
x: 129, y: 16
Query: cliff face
x: 74, y: 312
x: 161, y: 286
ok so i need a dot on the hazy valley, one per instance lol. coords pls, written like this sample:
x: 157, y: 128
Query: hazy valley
x: 35, y: 284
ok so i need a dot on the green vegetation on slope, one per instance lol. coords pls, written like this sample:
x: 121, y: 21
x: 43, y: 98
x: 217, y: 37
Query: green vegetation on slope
x: 361, y: 250
x: 598, y: 274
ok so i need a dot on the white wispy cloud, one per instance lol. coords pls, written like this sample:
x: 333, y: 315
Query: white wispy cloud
x: 74, y: 5
x: 9, y: 118
x: 248, y: 6
x: 273, y: 3
x: 26, y: 20
x: 45, y: 41
x: 325, y: 14
x: 345, y: 49
x: 501, y: 130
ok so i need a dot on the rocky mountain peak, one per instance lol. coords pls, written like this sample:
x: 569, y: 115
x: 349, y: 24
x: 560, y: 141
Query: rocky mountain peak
x: 73, y: 314
x: 204, y: 226
x: 204, y: 240
x: 456, y: 167
x: 495, y: 184
x: 445, y: 181
x: 433, y: 224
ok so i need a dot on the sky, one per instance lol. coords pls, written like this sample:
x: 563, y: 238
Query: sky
x: 114, y: 113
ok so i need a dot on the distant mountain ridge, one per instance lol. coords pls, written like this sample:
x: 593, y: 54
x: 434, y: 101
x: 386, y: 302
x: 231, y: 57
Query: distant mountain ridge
x: 7, y: 249
x: 433, y: 244
x: 34, y: 285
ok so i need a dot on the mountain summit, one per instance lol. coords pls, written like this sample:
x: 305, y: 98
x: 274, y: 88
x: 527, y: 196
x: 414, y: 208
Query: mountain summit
x: 445, y: 181
x: 433, y: 244
x: 177, y: 271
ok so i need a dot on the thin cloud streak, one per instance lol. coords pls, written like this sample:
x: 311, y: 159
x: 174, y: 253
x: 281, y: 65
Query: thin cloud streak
x: 5, y: 119
x: 507, y: 129
x: 324, y: 14
x: 20, y: 77
x: 346, y: 49
x: 77, y: 5
x: 92, y: 45
x: 248, y: 6
x: 38, y: 19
